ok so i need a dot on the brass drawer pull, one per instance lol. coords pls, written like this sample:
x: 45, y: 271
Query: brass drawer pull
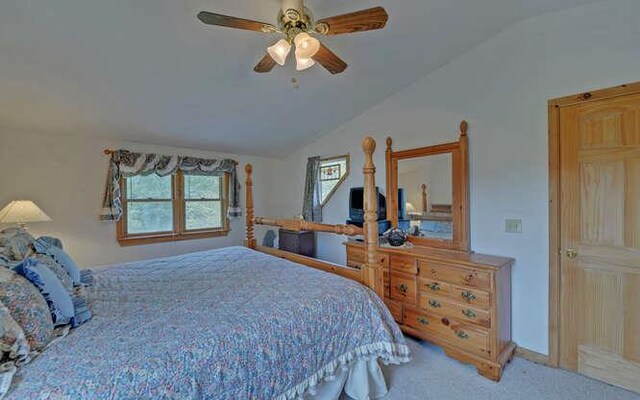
x: 423, y: 320
x: 467, y: 278
x: 469, y: 313
x: 462, y: 335
x: 434, y: 286
x: 435, y: 304
x: 468, y: 296
x: 403, y: 288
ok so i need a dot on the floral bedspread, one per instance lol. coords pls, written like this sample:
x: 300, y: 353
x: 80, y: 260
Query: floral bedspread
x: 223, y: 324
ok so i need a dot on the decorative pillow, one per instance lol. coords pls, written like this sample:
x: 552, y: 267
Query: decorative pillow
x: 81, y: 306
x: 47, y: 282
x: 15, y: 243
x: 86, y: 277
x: 13, y: 342
x: 27, y: 307
x: 50, y: 240
x: 61, y: 258
x: 57, y: 269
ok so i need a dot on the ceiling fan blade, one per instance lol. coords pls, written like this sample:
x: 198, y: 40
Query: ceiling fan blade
x: 265, y: 65
x: 329, y: 60
x: 233, y: 22
x: 359, y: 21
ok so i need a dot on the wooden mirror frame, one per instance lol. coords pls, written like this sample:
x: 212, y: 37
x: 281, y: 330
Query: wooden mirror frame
x: 460, y: 201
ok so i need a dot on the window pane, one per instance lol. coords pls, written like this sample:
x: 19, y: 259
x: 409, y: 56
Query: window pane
x: 201, y: 187
x: 149, y: 187
x: 203, y: 214
x: 331, y: 173
x: 148, y: 217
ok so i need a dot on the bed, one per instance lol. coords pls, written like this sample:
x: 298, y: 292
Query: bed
x: 233, y: 323
x: 222, y: 324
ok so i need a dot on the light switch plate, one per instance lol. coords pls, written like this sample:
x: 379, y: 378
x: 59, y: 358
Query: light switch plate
x: 513, y: 225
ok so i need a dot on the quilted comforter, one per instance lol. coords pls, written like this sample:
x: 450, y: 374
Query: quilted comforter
x: 223, y: 324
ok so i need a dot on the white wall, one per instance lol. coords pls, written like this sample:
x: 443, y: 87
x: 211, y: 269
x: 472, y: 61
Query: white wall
x: 65, y: 176
x: 502, y: 88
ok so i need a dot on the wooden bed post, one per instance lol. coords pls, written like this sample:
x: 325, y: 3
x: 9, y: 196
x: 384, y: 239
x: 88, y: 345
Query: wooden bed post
x: 372, y: 274
x: 250, y: 240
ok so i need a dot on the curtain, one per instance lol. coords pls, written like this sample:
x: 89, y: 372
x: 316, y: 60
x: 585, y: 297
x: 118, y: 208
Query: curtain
x: 125, y: 163
x: 312, y: 207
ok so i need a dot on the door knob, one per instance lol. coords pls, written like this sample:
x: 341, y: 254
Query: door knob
x: 572, y: 254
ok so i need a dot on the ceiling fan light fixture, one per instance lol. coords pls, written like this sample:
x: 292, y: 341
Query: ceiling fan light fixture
x: 306, y: 45
x: 279, y: 51
x: 303, y: 63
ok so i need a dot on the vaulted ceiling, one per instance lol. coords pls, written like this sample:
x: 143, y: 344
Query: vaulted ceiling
x: 149, y: 71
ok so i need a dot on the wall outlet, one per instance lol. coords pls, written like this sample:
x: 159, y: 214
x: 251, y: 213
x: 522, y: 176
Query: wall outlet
x: 513, y: 225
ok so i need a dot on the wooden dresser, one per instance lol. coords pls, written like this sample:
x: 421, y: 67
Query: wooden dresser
x: 459, y: 301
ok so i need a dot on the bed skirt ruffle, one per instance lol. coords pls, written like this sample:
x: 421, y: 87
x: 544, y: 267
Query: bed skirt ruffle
x: 356, y: 373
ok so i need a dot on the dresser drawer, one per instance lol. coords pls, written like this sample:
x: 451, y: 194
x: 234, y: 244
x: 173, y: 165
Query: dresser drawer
x: 431, y: 286
x: 403, y: 288
x: 448, y: 308
x: 473, y: 297
x: 456, y: 275
x: 395, y: 309
x: 356, y: 258
x: 464, y: 336
x: 402, y: 263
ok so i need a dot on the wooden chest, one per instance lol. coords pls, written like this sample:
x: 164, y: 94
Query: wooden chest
x: 302, y: 242
x: 459, y: 301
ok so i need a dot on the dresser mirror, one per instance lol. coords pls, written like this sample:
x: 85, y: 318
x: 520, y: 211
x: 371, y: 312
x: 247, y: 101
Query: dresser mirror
x: 433, y: 187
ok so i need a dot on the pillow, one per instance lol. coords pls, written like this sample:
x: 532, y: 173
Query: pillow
x: 47, y: 282
x: 86, y: 277
x: 61, y: 257
x: 50, y: 240
x: 15, y: 243
x: 80, y: 306
x: 13, y: 342
x: 27, y: 307
x: 57, y: 269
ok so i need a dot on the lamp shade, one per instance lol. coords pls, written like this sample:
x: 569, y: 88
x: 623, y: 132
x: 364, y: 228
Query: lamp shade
x: 409, y: 207
x: 21, y: 212
x: 304, y: 63
x: 279, y: 51
x: 306, y: 45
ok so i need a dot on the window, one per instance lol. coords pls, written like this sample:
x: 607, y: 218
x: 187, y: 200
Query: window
x: 333, y: 171
x: 174, y: 207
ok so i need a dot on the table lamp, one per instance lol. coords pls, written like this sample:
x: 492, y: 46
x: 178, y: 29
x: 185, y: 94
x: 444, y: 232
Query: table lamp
x: 22, y: 212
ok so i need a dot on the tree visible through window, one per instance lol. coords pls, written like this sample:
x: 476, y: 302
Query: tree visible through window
x: 173, y: 207
x: 333, y: 171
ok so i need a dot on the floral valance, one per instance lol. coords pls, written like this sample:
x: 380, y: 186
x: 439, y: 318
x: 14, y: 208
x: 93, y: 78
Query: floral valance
x: 124, y: 163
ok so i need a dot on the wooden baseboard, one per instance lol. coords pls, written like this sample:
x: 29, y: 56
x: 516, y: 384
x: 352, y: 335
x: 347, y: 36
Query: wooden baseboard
x: 532, y: 356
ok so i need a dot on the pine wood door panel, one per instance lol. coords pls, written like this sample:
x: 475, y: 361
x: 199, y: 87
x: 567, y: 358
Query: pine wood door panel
x: 600, y: 221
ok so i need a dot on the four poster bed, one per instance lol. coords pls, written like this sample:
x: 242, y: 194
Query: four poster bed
x: 371, y: 274
x: 228, y: 324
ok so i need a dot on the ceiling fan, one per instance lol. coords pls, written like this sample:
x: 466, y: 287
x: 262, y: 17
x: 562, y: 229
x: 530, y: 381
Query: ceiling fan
x: 296, y: 23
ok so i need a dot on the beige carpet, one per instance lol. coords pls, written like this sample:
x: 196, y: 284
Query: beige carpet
x: 432, y: 375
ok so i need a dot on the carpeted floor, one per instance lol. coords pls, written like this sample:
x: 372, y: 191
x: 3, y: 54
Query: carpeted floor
x: 432, y: 375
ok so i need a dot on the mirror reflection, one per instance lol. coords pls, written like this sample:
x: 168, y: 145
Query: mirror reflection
x: 427, y: 185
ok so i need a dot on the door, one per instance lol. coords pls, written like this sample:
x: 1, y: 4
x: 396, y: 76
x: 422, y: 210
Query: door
x: 600, y: 239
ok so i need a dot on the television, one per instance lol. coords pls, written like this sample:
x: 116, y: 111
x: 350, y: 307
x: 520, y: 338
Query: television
x: 356, y: 205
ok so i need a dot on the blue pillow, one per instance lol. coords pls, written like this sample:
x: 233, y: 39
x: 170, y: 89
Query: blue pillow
x: 61, y: 258
x: 57, y: 297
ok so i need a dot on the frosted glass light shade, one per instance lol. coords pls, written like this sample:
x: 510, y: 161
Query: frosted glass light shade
x: 304, y: 63
x: 306, y: 45
x: 279, y: 51
x: 21, y: 212
x: 409, y: 207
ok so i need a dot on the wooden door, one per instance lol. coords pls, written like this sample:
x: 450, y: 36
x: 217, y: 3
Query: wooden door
x: 600, y: 239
